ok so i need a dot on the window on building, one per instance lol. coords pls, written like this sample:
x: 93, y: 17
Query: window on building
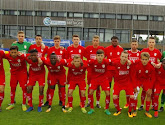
x: 78, y: 15
x: 134, y: 17
x: 61, y: 14
x: 54, y: 14
x: 44, y: 13
x: 2, y: 12
x: 142, y: 17
x: 86, y: 15
x: 126, y: 17
x: 102, y: 15
x: 118, y: 16
x: 29, y: 13
x: 94, y: 15
x: 70, y: 14
x: 110, y: 16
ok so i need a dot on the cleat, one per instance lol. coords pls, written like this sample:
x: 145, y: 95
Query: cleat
x: 80, y: 104
x: 107, y: 112
x: 91, y: 111
x: 0, y: 109
x: 130, y: 114
x: 98, y: 106
x: 161, y: 109
x: 148, y: 114
x: 10, y: 107
x: 24, y: 108
x: 63, y: 109
x: 126, y: 106
x: 137, y: 108
x: 29, y: 109
x: 60, y: 103
x: 152, y: 108
x: 117, y: 113
x: 67, y: 105
x: 88, y: 105
x: 11, y: 104
x: 141, y: 108
x: 70, y: 109
x: 134, y: 114
x: 49, y: 109
x: 83, y: 110
x: 46, y: 104
x: 39, y: 109
x: 156, y: 114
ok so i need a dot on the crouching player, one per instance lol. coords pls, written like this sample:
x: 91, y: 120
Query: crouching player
x: 18, y: 72
x: 56, y: 76
x: 77, y: 71
x: 99, y: 78
x: 36, y: 73
x: 123, y: 82
x: 145, y: 76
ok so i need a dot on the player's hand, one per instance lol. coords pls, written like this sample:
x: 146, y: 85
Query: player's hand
x: 61, y: 47
x: 19, y: 53
x: 129, y: 62
x: 15, y: 42
x: 40, y: 62
x: 153, y: 64
x: 42, y: 46
x: 149, y: 91
x: 135, y: 90
x: 158, y: 65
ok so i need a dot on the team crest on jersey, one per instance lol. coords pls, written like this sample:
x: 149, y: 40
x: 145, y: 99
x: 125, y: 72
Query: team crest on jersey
x: 146, y: 71
x: 19, y: 60
x: 95, y: 65
x: 79, y: 50
x: 159, y: 72
x: 38, y: 64
x: 137, y: 54
x: 140, y: 71
x: 81, y: 70
x: 71, y: 51
x: 128, y: 67
x: 60, y: 52
x: 118, y: 53
x: 103, y: 66
x: 155, y: 54
x: 118, y: 67
x: 58, y: 67
x: 72, y: 69
x: 91, y: 51
x: 110, y: 53
x: 50, y: 67
x: 25, y: 46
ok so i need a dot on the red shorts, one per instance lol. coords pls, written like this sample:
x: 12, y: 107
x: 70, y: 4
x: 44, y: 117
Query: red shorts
x: 34, y: 78
x: 144, y: 85
x: 110, y: 74
x: 118, y: 87
x: 2, y: 79
x: 103, y: 83
x: 158, y: 88
x: 57, y: 79
x: 81, y: 84
x: 21, y: 77
x: 89, y: 76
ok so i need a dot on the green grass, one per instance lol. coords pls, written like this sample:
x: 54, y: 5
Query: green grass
x: 76, y: 117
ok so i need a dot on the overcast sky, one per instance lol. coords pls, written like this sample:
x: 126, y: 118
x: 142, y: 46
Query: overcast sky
x: 151, y: 2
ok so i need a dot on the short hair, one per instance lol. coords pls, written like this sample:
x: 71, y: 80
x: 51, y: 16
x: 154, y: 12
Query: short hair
x: 57, y: 37
x: 33, y: 51
x: 134, y: 40
x: 76, y: 57
x: 20, y: 32
x: 38, y: 36
x: 114, y: 37
x: 163, y: 59
x: 52, y: 54
x: 145, y: 54
x: 151, y: 37
x: 100, y: 51
x: 75, y: 35
x: 96, y: 37
x: 125, y: 52
x: 14, y: 48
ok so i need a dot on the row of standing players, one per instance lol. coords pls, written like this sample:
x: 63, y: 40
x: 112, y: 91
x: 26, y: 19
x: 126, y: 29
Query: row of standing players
x: 100, y: 73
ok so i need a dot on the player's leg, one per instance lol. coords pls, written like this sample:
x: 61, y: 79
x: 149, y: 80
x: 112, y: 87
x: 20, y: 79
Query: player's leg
x: 143, y: 96
x: 47, y: 92
x: 29, y: 97
x: 107, y: 101
x: 2, y: 87
x: 162, y: 101
x: 148, y: 102
x: 127, y: 99
x: 70, y: 99
x: 98, y: 92
x: 131, y: 104
x: 41, y: 96
x: 136, y: 92
x: 51, y: 95
x: 59, y: 95
x: 157, y: 91
x: 63, y: 96
x: 91, y: 91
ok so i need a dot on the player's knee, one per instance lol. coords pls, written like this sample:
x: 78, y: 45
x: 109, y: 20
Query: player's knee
x: 1, y: 90
x: 52, y: 87
x: 83, y: 93
x: 70, y: 93
x: 148, y: 95
x: 132, y: 96
x: 115, y: 96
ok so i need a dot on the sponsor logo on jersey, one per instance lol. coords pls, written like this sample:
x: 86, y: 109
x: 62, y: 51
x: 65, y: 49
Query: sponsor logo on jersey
x: 123, y: 72
x: 36, y: 69
x: 92, y: 56
x: 100, y: 70
x: 72, y: 55
x: 152, y: 59
x: 16, y: 64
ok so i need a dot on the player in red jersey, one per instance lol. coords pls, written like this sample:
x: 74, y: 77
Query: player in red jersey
x: 39, y: 46
x: 123, y: 82
x: 2, y: 78
x: 111, y: 52
x: 99, y: 78
x: 61, y: 54
x: 72, y: 50
x: 18, y: 72
x: 155, y: 57
x: 145, y: 77
x: 36, y: 73
x: 133, y: 55
x: 77, y: 71
x: 90, y: 53
x: 56, y: 76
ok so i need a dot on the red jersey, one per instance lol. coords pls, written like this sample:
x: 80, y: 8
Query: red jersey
x: 17, y: 64
x: 90, y: 52
x: 61, y: 53
x: 98, y: 70
x: 41, y: 52
x: 160, y: 73
x: 2, y: 55
x: 133, y: 55
x: 77, y: 74
x: 155, y: 55
x: 58, y: 68
x: 144, y: 74
x: 72, y: 51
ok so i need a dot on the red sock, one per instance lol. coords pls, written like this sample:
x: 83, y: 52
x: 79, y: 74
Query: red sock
x: 29, y: 97
x: 24, y: 95
x: 63, y: 95
x: 41, y: 100
x: 88, y: 96
x: 131, y: 104
x: 59, y: 93
x: 12, y: 94
x: 156, y: 102
x: 70, y: 100
x: 135, y: 105
x: 107, y: 101
x: 91, y: 101
x: 143, y: 96
x: 116, y: 103
x: 83, y: 99
x: 152, y: 98
x: 80, y: 95
x: 47, y: 93
x: 148, y: 105
x: 1, y: 98
x: 98, y: 95
x: 127, y: 98
x: 51, y: 95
